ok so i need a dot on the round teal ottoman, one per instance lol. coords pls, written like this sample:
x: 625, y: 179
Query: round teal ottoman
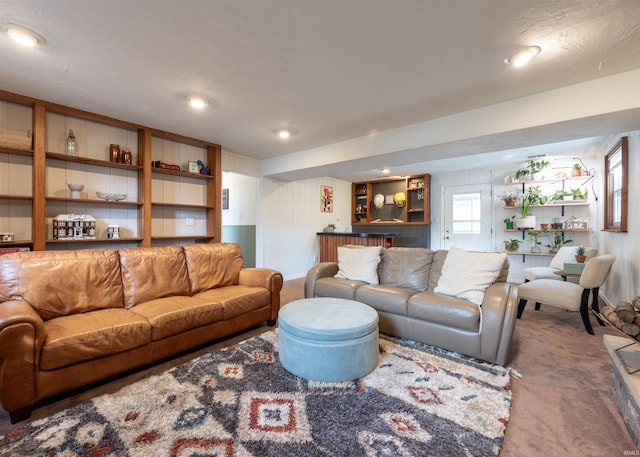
x: 328, y: 339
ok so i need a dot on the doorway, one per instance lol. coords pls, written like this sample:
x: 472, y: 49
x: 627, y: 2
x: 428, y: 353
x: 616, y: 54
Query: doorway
x: 468, y: 216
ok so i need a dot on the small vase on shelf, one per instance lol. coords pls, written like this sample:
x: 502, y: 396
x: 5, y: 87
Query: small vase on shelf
x: 71, y: 145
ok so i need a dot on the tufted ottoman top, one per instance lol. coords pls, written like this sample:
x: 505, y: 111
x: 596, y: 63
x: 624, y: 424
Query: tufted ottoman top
x: 328, y: 319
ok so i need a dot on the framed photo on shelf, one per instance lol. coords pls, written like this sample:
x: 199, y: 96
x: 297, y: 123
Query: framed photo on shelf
x: 193, y: 167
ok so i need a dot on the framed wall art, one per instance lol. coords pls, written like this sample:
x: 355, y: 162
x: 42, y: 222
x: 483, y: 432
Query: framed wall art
x: 326, y: 199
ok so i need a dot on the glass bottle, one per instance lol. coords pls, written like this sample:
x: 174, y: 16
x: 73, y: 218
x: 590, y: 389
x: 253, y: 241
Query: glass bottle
x: 71, y: 146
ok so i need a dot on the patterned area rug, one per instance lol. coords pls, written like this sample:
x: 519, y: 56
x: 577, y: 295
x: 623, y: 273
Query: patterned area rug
x: 240, y: 401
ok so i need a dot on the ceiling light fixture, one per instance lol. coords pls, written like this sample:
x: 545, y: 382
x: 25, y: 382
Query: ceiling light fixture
x: 24, y: 36
x: 197, y: 101
x: 284, y: 133
x: 523, y: 57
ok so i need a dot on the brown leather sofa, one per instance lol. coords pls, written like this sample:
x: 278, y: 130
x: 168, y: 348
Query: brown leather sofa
x: 70, y: 318
x: 416, y: 312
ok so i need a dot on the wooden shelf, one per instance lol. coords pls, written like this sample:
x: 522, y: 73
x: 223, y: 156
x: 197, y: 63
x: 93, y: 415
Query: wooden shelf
x: 180, y: 205
x: 14, y: 243
x: 16, y: 197
x: 89, y: 161
x: 17, y: 152
x: 98, y: 240
x: 184, y: 174
x: 92, y: 201
x: 182, y: 237
x: 551, y: 180
x: 48, y: 168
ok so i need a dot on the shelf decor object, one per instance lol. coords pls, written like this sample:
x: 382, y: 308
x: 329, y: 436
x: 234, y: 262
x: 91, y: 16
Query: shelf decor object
x: 111, y: 197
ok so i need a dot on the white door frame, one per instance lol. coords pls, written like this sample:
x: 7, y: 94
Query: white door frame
x: 485, y: 241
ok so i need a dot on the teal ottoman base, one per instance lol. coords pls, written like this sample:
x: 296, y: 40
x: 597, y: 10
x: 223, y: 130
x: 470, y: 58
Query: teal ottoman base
x: 328, y: 339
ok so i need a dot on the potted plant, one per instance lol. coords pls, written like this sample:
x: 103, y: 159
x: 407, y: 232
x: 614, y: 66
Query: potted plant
x: 576, y: 194
x: 509, y: 198
x: 533, y: 196
x: 512, y: 245
x: 533, y: 236
x: 556, y: 240
x: 329, y: 228
x: 557, y: 224
x: 521, y: 173
x: 576, y: 170
x: 536, y: 168
x: 559, y: 195
x: 508, y: 222
x: 580, y: 255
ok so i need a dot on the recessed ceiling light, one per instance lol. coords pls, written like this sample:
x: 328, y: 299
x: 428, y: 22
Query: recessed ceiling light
x: 385, y: 171
x: 24, y: 36
x: 284, y: 133
x: 523, y: 57
x: 197, y: 101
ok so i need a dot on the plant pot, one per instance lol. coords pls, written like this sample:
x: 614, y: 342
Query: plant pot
x: 537, y: 176
x: 526, y: 222
x: 581, y: 258
x: 509, y: 224
x: 568, y: 197
x: 509, y: 202
x: 575, y: 172
x: 557, y: 225
x: 536, y: 249
x: 544, y: 226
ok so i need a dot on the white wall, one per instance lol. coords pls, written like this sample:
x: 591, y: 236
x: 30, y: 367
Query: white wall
x: 291, y: 218
x: 624, y: 280
x: 243, y: 199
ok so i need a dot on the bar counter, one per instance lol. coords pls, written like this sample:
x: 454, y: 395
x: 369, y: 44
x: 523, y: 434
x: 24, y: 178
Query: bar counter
x: 328, y: 242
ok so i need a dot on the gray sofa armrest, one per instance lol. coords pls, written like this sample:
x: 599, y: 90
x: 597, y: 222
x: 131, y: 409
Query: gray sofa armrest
x: 321, y: 270
x: 499, y: 310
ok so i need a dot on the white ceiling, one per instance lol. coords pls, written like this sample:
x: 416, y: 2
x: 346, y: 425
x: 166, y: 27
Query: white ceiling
x: 354, y: 78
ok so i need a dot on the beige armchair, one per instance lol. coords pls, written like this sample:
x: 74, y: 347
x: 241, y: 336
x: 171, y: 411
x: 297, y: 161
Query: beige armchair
x: 564, y: 254
x: 568, y: 295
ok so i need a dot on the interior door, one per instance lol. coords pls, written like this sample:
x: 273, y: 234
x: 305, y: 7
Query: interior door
x: 468, y: 215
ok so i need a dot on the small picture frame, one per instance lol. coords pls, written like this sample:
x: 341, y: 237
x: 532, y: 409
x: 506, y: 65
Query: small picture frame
x: 193, y: 167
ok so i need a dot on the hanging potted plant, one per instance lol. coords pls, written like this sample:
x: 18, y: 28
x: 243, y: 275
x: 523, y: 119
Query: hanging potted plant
x: 580, y: 254
x: 512, y: 245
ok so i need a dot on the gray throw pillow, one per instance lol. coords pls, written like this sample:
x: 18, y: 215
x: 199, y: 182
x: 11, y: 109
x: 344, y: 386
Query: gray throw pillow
x: 406, y: 267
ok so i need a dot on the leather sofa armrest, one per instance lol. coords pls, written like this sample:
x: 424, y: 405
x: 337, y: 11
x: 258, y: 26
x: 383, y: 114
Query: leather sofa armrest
x: 21, y: 339
x: 321, y: 270
x: 499, y: 310
x: 267, y: 278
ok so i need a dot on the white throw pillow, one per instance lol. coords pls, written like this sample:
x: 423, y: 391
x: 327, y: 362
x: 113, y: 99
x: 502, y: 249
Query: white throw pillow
x: 468, y: 274
x: 359, y: 263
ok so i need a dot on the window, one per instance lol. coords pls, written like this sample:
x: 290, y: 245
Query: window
x: 466, y: 213
x: 616, y: 168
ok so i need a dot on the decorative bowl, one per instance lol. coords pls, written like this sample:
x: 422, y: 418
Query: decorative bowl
x: 111, y: 197
x: 75, y: 187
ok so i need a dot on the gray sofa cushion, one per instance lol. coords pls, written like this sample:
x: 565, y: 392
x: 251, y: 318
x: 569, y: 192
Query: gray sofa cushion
x: 390, y: 299
x: 337, y: 287
x: 443, y: 309
x: 436, y: 268
x: 406, y: 267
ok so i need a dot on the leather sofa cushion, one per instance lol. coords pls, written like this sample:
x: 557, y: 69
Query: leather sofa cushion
x: 150, y: 273
x: 443, y: 309
x: 61, y: 283
x: 212, y: 265
x: 238, y: 300
x: 436, y: 268
x: 390, y: 299
x: 336, y: 287
x: 87, y: 336
x: 172, y: 315
x: 406, y: 267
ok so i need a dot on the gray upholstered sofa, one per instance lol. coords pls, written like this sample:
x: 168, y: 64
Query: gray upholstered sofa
x: 408, y: 305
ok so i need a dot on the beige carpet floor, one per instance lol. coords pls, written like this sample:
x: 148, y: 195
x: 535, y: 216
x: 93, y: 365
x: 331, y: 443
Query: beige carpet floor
x: 563, y: 405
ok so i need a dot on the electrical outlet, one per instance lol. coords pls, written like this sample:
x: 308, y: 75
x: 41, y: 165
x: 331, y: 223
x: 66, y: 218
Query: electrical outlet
x: 190, y: 222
